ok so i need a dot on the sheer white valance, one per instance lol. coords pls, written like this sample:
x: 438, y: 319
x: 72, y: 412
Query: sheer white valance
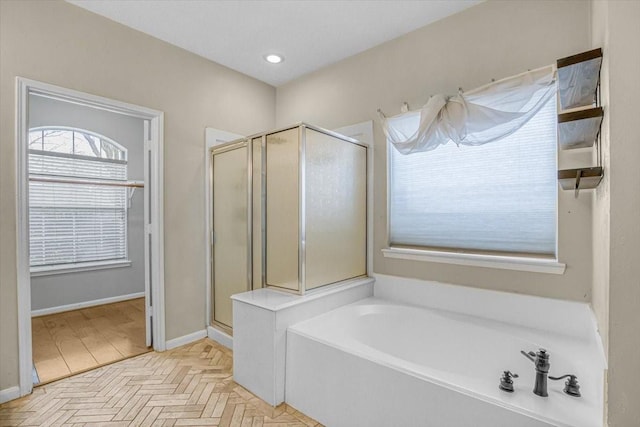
x: 476, y: 117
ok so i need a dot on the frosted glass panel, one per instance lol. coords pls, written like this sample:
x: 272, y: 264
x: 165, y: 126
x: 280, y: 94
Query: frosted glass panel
x: 230, y: 227
x: 257, y: 212
x: 336, y: 217
x: 282, y: 209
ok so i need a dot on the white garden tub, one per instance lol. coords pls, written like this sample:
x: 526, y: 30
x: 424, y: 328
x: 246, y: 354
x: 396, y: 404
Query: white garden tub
x: 380, y: 363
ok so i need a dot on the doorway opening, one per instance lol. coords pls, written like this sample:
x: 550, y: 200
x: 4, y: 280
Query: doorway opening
x: 90, y: 243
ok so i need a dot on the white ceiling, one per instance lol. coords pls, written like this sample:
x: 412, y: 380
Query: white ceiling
x: 309, y: 33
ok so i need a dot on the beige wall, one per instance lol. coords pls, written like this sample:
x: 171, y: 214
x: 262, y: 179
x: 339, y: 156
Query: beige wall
x: 61, y: 44
x: 491, y: 40
x: 602, y: 194
x: 616, y: 294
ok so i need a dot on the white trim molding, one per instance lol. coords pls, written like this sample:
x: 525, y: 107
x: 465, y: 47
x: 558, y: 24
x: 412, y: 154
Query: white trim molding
x: 85, y: 304
x: 220, y: 337
x: 9, y: 394
x: 536, y: 265
x: 49, y: 270
x: 25, y: 87
x: 25, y: 364
x: 186, y: 339
x: 156, y: 146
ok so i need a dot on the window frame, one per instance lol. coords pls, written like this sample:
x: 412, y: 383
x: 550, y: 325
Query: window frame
x: 92, y: 265
x: 468, y: 257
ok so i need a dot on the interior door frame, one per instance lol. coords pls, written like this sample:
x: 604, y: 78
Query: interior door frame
x: 154, y: 145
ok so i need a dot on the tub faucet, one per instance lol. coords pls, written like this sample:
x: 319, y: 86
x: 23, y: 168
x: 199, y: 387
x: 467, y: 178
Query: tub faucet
x: 541, y: 362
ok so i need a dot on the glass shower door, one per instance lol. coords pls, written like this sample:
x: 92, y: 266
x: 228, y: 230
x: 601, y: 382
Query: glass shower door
x: 231, y: 239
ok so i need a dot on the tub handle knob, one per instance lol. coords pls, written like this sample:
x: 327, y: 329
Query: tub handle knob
x: 506, y: 383
x: 571, y: 386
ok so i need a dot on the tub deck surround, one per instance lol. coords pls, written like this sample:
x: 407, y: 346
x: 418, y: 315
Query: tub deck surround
x: 260, y: 321
x: 434, y: 354
x: 272, y: 299
x: 572, y: 319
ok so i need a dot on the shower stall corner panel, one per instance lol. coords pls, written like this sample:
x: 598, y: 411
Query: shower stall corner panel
x: 336, y: 209
x: 290, y: 213
x: 282, y: 206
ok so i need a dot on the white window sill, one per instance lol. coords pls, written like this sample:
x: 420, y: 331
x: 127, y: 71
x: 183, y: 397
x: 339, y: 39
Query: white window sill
x: 536, y: 265
x: 49, y: 270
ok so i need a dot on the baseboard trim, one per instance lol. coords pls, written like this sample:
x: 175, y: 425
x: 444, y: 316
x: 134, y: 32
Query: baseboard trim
x: 85, y: 304
x: 186, y: 339
x: 220, y: 337
x: 9, y: 394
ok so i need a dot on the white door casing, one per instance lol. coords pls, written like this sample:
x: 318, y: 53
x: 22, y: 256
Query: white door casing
x: 148, y: 236
x: 154, y: 256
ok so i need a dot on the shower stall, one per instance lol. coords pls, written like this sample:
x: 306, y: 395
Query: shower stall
x: 289, y: 212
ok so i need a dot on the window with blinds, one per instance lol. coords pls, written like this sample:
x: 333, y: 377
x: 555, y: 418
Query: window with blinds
x: 497, y: 197
x: 76, y: 214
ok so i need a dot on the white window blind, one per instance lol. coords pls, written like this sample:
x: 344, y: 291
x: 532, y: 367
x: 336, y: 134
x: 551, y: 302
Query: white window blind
x: 76, y: 222
x: 499, y: 196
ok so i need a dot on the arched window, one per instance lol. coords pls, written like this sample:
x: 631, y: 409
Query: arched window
x: 76, y: 142
x: 77, y: 200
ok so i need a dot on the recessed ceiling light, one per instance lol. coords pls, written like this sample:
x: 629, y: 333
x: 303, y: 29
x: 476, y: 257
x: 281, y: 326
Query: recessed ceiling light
x: 273, y: 58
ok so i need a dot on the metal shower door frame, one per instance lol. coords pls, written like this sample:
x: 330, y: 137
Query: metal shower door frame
x: 220, y: 149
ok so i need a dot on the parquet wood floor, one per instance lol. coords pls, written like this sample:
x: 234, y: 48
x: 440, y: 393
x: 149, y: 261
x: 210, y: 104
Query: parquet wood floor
x: 76, y: 341
x: 190, y: 385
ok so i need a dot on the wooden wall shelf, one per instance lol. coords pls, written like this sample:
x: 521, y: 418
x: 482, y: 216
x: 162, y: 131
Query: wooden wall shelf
x: 581, y: 178
x: 579, y: 129
x: 578, y: 79
x: 578, y: 84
